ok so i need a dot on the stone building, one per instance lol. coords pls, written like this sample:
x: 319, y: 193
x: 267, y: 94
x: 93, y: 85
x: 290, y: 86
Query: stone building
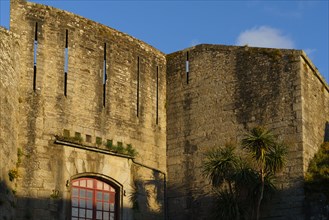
x: 79, y: 99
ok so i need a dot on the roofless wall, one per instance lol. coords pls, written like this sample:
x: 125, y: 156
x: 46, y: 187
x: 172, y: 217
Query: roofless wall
x: 84, y: 82
x: 80, y: 98
x: 9, y: 55
x: 217, y: 93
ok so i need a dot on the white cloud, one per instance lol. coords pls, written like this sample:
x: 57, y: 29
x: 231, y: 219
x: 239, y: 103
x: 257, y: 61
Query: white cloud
x: 265, y: 36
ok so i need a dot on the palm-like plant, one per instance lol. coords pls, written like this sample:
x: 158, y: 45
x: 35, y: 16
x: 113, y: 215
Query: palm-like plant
x: 240, y: 186
x: 268, y: 155
x: 221, y: 167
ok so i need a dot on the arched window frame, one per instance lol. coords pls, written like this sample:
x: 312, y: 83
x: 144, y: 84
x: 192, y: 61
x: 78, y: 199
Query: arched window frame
x: 106, y: 179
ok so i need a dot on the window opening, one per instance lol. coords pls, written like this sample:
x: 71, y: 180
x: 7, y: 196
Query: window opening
x: 104, y: 76
x: 138, y: 72
x: 99, y: 140
x: 88, y: 138
x: 187, y: 68
x: 35, y: 50
x: 157, y: 97
x: 77, y: 135
x: 66, y: 133
x: 66, y: 62
x: 93, y: 199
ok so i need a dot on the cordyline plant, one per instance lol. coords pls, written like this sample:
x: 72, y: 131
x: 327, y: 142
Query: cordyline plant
x: 241, y: 180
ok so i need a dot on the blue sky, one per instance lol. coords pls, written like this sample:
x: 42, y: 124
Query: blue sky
x: 175, y: 25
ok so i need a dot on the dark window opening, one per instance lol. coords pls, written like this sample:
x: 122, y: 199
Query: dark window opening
x: 99, y: 140
x: 157, y: 97
x: 35, y: 51
x: 120, y: 144
x: 187, y: 68
x: 66, y: 133
x: 137, y: 101
x: 104, y: 76
x: 77, y: 135
x: 88, y: 138
x: 66, y: 62
x: 109, y: 143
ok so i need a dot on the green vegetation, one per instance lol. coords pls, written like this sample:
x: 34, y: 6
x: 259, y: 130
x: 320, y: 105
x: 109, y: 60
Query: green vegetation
x: 12, y: 174
x: 119, y: 148
x: 75, y: 139
x: 317, y: 176
x: 55, y: 194
x: 99, y: 141
x: 275, y: 54
x: 241, y: 181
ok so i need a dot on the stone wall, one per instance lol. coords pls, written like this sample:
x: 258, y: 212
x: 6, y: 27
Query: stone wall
x: 58, y: 126
x: 315, y: 93
x: 9, y: 66
x: 230, y: 90
x: 131, y: 115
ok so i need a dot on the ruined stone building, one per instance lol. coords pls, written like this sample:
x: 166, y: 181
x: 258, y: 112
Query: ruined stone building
x: 79, y: 99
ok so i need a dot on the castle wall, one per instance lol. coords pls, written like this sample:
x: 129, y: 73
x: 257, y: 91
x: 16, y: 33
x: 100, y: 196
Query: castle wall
x: 9, y: 66
x: 230, y: 90
x: 131, y: 115
x: 315, y: 93
x: 57, y: 121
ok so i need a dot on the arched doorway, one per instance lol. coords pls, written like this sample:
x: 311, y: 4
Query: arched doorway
x: 93, y: 198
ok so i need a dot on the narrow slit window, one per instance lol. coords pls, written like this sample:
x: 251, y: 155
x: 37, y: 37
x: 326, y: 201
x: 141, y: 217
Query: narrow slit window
x: 104, y: 76
x: 157, y: 97
x: 138, y: 72
x: 35, y: 51
x: 66, y: 62
x: 187, y: 68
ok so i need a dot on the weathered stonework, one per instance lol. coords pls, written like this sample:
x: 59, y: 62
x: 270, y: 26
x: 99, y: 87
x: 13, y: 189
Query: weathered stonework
x: 9, y: 67
x: 170, y: 117
x: 230, y: 90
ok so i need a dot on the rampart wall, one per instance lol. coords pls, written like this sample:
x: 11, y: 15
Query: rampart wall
x: 230, y: 90
x: 9, y: 66
x: 56, y: 106
x: 74, y: 90
x: 315, y: 96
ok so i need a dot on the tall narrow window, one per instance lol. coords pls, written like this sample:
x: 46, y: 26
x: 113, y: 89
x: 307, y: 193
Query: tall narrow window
x: 157, y: 97
x: 66, y: 62
x: 104, y: 76
x: 137, y: 101
x: 35, y: 56
x: 187, y: 68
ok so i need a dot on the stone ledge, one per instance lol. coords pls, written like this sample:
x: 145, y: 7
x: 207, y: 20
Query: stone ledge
x: 94, y: 149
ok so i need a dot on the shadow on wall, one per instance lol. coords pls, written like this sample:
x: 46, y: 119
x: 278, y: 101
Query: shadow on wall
x: 148, y: 197
x: 185, y: 203
x: 181, y: 206
x: 326, y: 132
x: 13, y: 207
x: 285, y: 203
x: 16, y: 207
